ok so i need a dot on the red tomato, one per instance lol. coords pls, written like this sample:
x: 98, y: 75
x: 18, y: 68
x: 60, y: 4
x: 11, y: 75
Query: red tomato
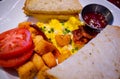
x: 14, y: 43
x: 15, y: 62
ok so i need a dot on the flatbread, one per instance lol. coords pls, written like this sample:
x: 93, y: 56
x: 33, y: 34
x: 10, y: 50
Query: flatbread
x: 99, y: 59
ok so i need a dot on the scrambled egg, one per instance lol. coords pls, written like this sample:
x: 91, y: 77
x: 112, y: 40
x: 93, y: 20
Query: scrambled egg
x: 55, y: 27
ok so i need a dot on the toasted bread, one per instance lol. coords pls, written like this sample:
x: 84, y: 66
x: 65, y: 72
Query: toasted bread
x: 52, y: 9
x: 52, y: 6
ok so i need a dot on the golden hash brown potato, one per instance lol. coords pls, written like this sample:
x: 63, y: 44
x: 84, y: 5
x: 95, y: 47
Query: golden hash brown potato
x: 33, y: 32
x: 41, y: 73
x: 27, y: 26
x: 24, y: 25
x: 38, y: 61
x: 64, y: 56
x: 42, y: 46
x: 49, y: 59
x: 63, y: 40
x: 44, y: 68
x: 56, y: 53
x: 44, y: 75
x: 27, y: 71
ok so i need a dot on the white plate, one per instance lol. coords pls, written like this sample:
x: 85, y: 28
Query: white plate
x: 11, y: 14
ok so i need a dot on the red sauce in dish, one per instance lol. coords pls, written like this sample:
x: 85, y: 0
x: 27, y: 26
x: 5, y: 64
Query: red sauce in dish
x: 96, y: 20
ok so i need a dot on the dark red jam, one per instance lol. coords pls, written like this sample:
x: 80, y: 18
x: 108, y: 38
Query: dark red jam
x: 96, y: 20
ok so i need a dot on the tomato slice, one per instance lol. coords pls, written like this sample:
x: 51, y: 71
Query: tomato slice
x: 15, y: 42
x: 15, y: 62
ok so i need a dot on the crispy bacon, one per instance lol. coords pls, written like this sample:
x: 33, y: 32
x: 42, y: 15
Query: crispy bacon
x: 82, y: 35
x: 40, y: 32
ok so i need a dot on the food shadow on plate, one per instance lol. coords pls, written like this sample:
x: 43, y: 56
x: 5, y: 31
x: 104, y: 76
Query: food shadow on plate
x: 10, y: 71
x: 31, y: 19
x: 34, y: 20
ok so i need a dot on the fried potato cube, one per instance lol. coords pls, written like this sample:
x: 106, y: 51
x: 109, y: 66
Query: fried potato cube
x: 24, y: 25
x: 38, y: 61
x: 56, y: 53
x: 27, y: 26
x: 27, y: 71
x: 49, y: 59
x: 33, y: 32
x: 44, y: 68
x: 42, y: 46
x: 41, y: 74
x: 64, y: 56
x: 63, y: 40
x: 44, y: 75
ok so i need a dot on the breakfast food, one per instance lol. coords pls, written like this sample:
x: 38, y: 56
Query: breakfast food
x: 63, y: 40
x: 42, y: 47
x: 99, y: 59
x: 38, y: 61
x: 60, y: 34
x: 45, y: 9
x: 49, y: 59
x: 16, y: 47
x: 47, y: 45
x: 27, y: 71
x: 47, y: 50
x: 9, y: 42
